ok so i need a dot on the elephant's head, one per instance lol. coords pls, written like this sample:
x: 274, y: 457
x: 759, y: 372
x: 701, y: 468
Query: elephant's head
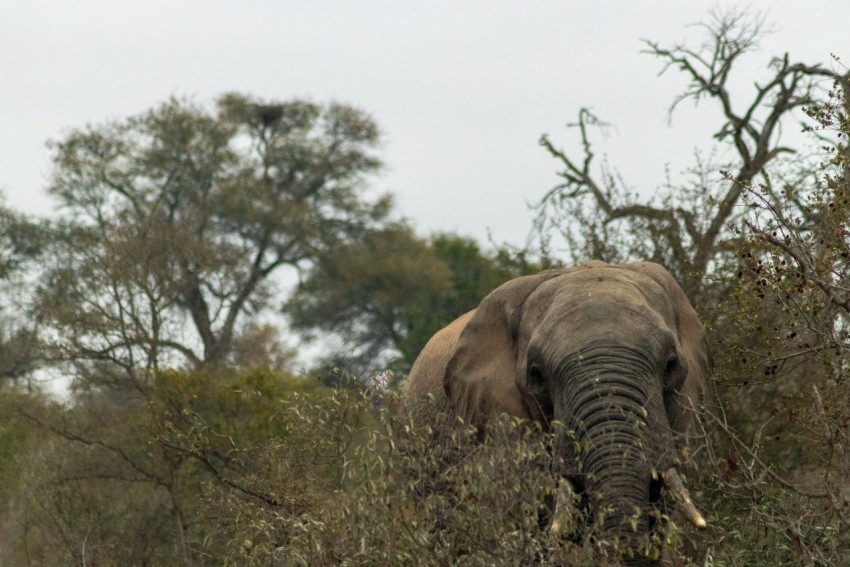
x: 614, y: 353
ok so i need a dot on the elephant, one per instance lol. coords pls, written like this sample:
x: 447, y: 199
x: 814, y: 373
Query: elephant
x: 614, y: 353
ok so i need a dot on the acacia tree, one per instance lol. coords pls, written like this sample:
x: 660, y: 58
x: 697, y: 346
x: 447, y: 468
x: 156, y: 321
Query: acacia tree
x: 685, y: 226
x: 175, y: 221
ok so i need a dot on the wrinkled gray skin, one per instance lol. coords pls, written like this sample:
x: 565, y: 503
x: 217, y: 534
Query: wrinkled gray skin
x: 616, y: 353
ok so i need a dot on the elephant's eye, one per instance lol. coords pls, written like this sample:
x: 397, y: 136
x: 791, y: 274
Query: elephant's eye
x: 674, y: 373
x: 539, y: 405
x: 672, y: 364
x: 536, y: 381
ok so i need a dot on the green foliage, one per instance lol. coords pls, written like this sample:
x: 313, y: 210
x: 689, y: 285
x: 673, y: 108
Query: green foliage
x: 386, y: 294
x: 22, y: 242
x: 405, y: 501
x: 781, y: 483
x: 366, y: 290
x: 259, y: 467
x: 117, y: 483
x: 17, y: 436
x: 176, y: 219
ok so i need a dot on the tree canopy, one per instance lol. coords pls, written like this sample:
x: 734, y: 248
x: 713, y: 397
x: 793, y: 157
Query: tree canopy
x: 178, y: 218
x: 385, y: 295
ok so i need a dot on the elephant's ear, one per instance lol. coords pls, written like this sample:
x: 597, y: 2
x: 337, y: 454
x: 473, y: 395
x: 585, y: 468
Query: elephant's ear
x: 479, y: 377
x: 692, y: 342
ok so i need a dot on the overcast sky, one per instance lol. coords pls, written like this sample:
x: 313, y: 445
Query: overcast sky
x: 462, y: 90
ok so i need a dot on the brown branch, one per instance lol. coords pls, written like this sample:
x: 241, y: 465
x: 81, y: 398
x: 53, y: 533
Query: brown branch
x: 575, y: 176
x: 804, y: 267
x: 193, y: 300
x: 803, y: 553
x: 765, y: 468
x: 219, y: 475
x: 93, y: 443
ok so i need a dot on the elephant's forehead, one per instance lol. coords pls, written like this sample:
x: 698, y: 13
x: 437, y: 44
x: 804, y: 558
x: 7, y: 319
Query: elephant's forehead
x: 601, y: 289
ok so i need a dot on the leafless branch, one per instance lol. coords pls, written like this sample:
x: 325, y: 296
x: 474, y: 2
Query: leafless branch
x: 753, y: 131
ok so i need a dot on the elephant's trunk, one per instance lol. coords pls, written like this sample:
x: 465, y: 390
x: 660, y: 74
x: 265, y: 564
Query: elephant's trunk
x: 618, y: 487
x: 612, y: 413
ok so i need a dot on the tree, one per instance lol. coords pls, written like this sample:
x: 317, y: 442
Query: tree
x: 686, y: 226
x: 784, y: 467
x: 169, y: 481
x: 385, y: 295
x: 173, y: 226
x: 22, y: 242
x: 175, y: 222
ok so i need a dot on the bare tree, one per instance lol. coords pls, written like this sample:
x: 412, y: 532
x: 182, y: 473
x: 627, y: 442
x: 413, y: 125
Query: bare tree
x: 686, y: 226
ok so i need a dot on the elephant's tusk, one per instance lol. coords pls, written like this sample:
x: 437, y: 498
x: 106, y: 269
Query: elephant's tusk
x: 563, y: 494
x: 673, y: 483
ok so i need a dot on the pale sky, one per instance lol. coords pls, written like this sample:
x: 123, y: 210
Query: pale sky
x: 461, y: 89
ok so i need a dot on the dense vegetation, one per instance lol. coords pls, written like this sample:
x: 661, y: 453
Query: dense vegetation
x: 186, y: 435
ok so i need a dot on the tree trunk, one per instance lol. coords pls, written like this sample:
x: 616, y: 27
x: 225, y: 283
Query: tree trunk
x: 179, y: 520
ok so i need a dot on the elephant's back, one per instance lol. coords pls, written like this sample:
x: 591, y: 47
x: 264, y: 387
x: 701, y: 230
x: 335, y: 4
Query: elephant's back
x: 426, y: 375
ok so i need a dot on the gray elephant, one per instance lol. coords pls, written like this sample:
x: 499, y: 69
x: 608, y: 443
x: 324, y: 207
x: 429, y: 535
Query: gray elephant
x: 616, y: 353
